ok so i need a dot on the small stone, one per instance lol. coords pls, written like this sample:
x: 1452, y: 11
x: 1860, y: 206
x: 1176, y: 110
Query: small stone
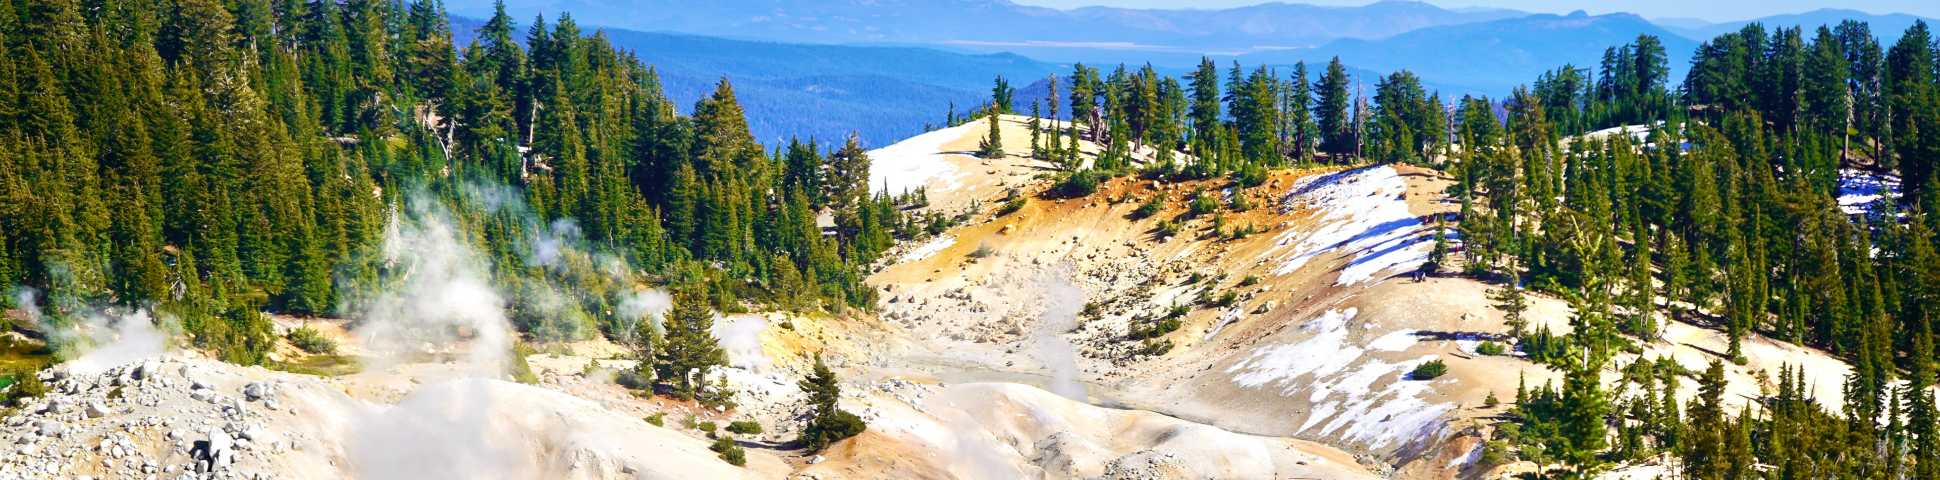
x: 51, y: 429
x: 96, y: 409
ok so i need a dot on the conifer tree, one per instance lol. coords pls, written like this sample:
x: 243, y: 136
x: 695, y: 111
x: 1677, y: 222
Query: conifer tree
x: 689, y: 352
x: 827, y: 422
x: 1336, y: 129
x: 992, y: 145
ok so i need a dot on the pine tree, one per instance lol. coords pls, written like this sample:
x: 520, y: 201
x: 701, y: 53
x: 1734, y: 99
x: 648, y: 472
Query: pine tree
x: 1205, y: 108
x: 1299, y: 115
x: 992, y: 145
x: 1336, y: 129
x: 827, y: 422
x: 689, y: 352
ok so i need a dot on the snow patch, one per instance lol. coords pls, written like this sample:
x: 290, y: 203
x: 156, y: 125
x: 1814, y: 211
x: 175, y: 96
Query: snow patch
x: 1395, y: 413
x: 1397, y: 341
x: 916, y: 162
x: 1470, y: 458
x: 1859, y: 190
x: 1325, y: 353
x: 1345, y: 399
x: 1360, y: 213
x: 929, y: 248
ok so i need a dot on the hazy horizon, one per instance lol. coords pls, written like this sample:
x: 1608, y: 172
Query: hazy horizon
x: 1712, y: 11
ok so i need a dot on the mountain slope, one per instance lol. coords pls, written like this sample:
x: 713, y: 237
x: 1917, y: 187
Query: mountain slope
x: 987, y: 25
x: 1492, y: 57
x: 819, y: 91
x: 1888, y: 27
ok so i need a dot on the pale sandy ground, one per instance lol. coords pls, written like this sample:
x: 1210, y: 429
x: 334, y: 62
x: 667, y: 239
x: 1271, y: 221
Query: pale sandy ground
x: 981, y: 312
x: 955, y: 370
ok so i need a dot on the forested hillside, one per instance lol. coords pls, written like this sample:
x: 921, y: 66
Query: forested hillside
x: 1717, y: 204
x: 217, y: 159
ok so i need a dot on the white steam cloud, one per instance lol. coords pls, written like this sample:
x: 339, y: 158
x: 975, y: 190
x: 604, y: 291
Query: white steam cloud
x: 104, y: 338
x: 643, y: 304
x: 437, y: 293
x: 119, y: 339
x: 740, y: 336
x: 1062, y: 302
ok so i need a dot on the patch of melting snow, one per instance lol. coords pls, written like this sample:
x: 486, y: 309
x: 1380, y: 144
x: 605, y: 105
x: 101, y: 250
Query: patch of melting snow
x: 930, y: 248
x: 1469, y: 458
x: 1395, y: 413
x: 1345, y: 399
x: 1327, y: 352
x: 1360, y: 213
x: 1226, y: 319
x: 1396, y: 341
x: 914, y: 162
x: 1860, y: 189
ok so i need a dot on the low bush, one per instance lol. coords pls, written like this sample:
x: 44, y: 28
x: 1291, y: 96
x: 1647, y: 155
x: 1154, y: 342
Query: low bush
x: 744, y: 427
x: 1429, y: 370
x: 730, y: 452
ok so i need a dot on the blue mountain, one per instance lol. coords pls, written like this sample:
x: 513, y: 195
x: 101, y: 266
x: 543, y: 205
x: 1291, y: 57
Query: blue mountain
x: 883, y: 94
x: 1490, y: 58
x: 1092, y: 34
x: 1888, y: 27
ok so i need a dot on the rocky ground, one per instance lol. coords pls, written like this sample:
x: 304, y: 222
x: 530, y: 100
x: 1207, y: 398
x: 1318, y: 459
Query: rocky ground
x: 160, y: 418
x: 1001, y: 349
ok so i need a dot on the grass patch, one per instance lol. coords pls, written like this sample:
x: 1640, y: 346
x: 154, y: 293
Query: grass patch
x: 331, y: 365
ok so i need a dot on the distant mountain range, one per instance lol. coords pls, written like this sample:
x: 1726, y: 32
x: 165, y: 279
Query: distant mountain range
x: 885, y: 68
x: 999, y: 25
x: 1888, y: 27
x: 824, y: 92
x: 1489, y: 58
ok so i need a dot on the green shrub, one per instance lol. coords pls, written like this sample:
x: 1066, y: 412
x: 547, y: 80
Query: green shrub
x: 1249, y: 176
x: 1240, y: 233
x: 744, y: 427
x: 1221, y: 300
x: 1155, y: 329
x: 1150, y: 207
x: 1167, y: 229
x: 1155, y: 348
x: 1429, y: 370
x: 1491, y: 349
x: 730, y: 452
x: 1078, y: 184
x: 26, y: 384
x: 707, y: 426
x: 311, y: 341
x: 1202, y: 203
x: 1012, y: 203
x: 831, y: 428
x: 1240, y: 203
x: 1091, y: 310
x: 658, y: 419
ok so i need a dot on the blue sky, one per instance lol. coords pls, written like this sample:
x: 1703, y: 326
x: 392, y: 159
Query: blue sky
x: 1712, y: 10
